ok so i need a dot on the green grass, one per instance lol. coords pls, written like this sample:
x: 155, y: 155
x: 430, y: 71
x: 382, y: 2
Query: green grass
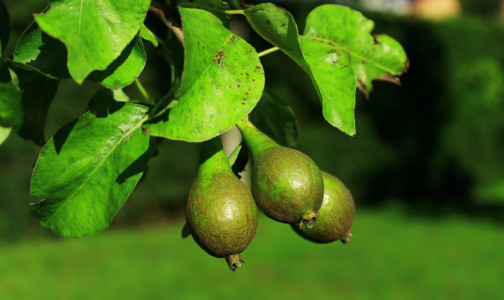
x: 390, y: 257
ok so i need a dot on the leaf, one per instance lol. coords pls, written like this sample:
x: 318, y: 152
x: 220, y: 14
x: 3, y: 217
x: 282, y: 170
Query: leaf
x: 4, y: 27
x: 4, y: 134
x: 222, y: 82
x: 276, y: 119
x: 335, y: 81
x: 148, y: 35
x: 41, y: 53
x: 88, y: 169
x: 94, y: 32
x: 234, y: 155
x: 277, y: 26
x: 348, y: 31
x: 335, y: 70
x: 125, y: 69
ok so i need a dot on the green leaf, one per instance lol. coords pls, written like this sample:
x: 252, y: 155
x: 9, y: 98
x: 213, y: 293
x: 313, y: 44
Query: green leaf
x: 148, y: 35
x: 348, y: 31
x: 338, y: 53
x: 222, y: 82
x: 335, y: 81
x: 4, y: 134
x: 276, y: 119
x: 88, y: 169
x: 41, y: 53
x: 125, y: 69
x: 94, y: 32
x: 277, y: 26
x: 4, y: 27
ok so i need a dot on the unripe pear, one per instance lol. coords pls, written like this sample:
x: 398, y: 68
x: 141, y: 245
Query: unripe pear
x: 221, y: 213
x: 335, y: 217
x: 287, y: 184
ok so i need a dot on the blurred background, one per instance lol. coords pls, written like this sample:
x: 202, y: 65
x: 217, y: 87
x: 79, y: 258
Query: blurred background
x: 426, y: 169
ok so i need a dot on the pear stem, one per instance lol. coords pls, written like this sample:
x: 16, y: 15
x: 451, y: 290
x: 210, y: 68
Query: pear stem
x: 256, y: 140
x: 212, y: 157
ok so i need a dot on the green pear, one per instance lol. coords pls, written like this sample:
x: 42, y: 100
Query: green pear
x: 335, y: 217
x: 221, y: 213
x: 287, y: 184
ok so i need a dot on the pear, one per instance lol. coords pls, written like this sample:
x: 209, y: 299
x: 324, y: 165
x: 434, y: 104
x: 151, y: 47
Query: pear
x: 335, y: 217
x: 287, y: 184
x: 221, y: 213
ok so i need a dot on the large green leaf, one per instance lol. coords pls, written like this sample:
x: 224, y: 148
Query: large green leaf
x: 4, y: 26
x: 333, y: 80
x: 222, y: 82
x: 94, y: 32
x: 39, y: 52
x: 348, y: 31
x: 334, y: 69
x: 276, y: 119
x: 88, y: 169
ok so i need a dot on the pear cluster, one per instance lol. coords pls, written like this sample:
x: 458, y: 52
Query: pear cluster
x: 287, y: 186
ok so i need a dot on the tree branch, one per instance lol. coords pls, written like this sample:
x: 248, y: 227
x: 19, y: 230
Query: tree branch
x: 176, y: 30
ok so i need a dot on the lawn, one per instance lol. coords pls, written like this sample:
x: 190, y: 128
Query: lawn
x: 391, y: 256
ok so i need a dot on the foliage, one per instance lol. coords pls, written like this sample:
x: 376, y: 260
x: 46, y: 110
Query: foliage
x: 86, y: 171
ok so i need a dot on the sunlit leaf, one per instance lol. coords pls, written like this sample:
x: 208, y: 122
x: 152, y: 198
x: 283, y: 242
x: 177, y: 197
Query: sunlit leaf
x: 94, y: 32
x: 222, y: 82
x: 148, y: 35
x: 337, y: 52
x: 88, y: 169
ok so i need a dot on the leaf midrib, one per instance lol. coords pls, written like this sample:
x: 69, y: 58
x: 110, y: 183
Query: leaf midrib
x: 131, y: 130
x: 352, y: 53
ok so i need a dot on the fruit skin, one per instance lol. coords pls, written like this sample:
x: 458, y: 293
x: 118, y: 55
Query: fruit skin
x: 335, y: 217
x: 221, y: 213
x: 287, y: 185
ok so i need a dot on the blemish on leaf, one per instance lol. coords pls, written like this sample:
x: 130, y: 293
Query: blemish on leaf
x: 145, y: 131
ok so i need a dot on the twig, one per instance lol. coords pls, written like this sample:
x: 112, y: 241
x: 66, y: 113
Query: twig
x: 267, y: 51
x: 142, y: 90
x: 161, y: 15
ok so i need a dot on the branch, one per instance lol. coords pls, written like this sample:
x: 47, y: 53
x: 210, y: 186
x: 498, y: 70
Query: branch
x: 161, y: 15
